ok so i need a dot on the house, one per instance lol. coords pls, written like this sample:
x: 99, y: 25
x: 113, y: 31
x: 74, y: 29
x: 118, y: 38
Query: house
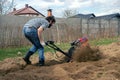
x: 83, y: 16
x: 110, y: 16
x: 26, y: 11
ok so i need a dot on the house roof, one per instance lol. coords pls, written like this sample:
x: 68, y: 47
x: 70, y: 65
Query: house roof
x: 26, y: 10
x: 83, y: 16
x: 110, y: 16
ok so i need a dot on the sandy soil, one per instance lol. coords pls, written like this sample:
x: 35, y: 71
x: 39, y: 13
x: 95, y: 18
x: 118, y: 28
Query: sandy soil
x: 106, y: 68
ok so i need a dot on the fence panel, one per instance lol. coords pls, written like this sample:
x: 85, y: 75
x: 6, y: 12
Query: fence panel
x: 65, y: 30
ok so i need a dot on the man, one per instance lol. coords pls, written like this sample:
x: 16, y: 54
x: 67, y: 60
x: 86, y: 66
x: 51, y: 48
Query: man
x: 33, y: 32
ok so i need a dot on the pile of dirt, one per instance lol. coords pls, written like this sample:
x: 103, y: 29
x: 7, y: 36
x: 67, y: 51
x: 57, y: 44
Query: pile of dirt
x: 82, y: 54
x: 106, y: 68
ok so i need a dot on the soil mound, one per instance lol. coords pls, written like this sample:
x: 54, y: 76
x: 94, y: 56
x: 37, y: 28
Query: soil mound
x: 82, y: 54
x: 106, y: 68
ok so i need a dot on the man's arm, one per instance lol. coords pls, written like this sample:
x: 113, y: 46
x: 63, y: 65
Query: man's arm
x: 40, y: 30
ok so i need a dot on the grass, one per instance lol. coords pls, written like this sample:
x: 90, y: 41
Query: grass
x: 103, y: 41
x: 62, y: 46
x: 13, y: 52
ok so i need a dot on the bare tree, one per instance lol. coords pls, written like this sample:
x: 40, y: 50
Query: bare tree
x: 68, y: 13
x: 6, y: 6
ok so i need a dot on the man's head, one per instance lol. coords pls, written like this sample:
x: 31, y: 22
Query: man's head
x: 49, y: 12
x: 51, y: 20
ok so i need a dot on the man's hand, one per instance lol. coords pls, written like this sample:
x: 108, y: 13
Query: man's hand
x: 43, y: 43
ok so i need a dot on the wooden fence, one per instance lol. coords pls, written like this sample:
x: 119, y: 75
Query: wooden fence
x: 65, y: 30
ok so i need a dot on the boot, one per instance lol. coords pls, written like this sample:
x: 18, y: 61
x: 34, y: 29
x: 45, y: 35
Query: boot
x: 27, y: 61
x: 41, y: 63
x: 26, y: 58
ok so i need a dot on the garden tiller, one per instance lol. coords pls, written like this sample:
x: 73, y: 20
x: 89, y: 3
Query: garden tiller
x: 74, y: 44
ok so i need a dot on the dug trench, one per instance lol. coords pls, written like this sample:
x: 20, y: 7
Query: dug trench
x: 95, y: 63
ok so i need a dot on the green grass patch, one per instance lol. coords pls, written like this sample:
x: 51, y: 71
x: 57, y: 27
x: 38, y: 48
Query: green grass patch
x: 103, y: 41
x: 13, y: 52
x: 62, y: 46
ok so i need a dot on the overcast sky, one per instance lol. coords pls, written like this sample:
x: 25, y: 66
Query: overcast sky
x: 98, y: 7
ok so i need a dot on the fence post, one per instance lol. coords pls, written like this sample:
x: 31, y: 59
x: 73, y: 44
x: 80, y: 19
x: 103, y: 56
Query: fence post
x: 58, y: 34
x: 118, y: 27
x: 100, y: 28
x: 88, y: 22
x: 81, y: 27
x: 109, y: 23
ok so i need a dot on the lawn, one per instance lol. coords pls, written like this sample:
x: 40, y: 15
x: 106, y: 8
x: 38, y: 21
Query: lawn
x: 13, y: 52
x: 103, y: 41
